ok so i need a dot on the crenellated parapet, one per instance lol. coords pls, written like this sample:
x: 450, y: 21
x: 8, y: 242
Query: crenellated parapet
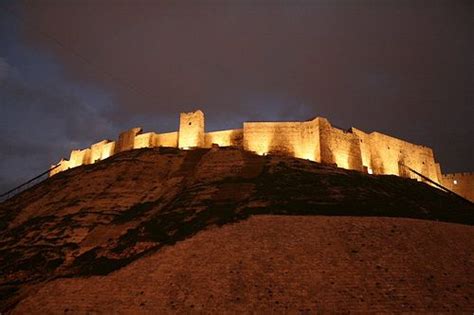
x: 458, y: 175
x: 316, y: 140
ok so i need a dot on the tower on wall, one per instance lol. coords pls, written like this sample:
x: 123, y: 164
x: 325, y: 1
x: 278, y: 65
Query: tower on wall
x: 126, y: 140
x: 191, y: 130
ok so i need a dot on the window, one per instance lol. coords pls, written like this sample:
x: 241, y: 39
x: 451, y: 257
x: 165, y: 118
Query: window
x: 455, y: 182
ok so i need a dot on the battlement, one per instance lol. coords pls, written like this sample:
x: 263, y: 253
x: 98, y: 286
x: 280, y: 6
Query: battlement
x: 457, y: 175
x: 316, y: 140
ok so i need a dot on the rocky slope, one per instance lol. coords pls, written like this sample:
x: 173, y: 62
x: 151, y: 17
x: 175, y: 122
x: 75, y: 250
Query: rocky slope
x: 122, y: 233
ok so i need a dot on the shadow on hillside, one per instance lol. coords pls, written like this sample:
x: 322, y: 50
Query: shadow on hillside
x: 266, y: 186
x: 274, y: 192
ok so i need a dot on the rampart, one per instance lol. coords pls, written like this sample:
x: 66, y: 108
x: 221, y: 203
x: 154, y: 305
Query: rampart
x: 382, y: 154
x: 126, y: 140
x: 460, y: 183
x: 224, y: 138
x: 316, y: 140
x: 298, y: 139
x: 339, y: 147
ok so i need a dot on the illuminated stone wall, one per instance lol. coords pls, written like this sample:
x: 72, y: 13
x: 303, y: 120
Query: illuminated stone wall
x: 384, y: 154
x: 79, y: 157
x: 63, y: 165
x: 126, y: 140
x: 191, y: 130
x: 169, y: 139
x: 153, y: 140
x: 438, y: 172
x: 297, y: 139
x: 108, y: 150
x: 460, y: 183
x: 145, y: 140
x: 308, y: 145
x: 224, y: 138
x: 390, y: 154
x: 339, y: 147
x: 97, y: 150
x: 365, y: 149
x: 315, y: 140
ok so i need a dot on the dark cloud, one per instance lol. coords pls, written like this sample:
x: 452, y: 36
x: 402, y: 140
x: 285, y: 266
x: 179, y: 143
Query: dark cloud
x: 41, y: 125
x: 43, y: 114
x: 403, y: 68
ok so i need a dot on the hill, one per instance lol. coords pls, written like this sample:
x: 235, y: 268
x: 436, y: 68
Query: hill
x: 224, y: 229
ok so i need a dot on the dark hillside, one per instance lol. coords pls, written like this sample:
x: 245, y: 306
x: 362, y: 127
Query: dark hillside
x: 99, y: 218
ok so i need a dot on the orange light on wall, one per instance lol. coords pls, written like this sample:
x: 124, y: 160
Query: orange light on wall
x: 143, y: 141
x: 342, y: 159
x: 221, y: 138
x: 262, y: 148
x: 304, y: 151
x: 259, y: 144
x: 108, y: 150
x: 191, y: 129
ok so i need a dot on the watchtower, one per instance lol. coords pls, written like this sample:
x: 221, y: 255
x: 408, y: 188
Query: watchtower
x: 191, y: 130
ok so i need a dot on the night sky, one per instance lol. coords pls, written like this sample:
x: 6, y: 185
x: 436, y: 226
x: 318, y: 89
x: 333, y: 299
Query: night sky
x: 76, y: 72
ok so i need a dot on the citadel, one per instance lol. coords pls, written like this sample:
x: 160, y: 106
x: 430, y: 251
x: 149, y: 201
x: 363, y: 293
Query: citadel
x: 316, y: 140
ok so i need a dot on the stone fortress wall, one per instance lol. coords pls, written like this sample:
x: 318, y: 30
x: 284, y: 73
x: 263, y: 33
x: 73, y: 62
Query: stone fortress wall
x: 460, y: 183
x: 316, y: 140
x: 191, y: 130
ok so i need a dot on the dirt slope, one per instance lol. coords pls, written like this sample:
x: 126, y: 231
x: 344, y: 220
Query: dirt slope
x: 283, y: 263
x: 96, y: 219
